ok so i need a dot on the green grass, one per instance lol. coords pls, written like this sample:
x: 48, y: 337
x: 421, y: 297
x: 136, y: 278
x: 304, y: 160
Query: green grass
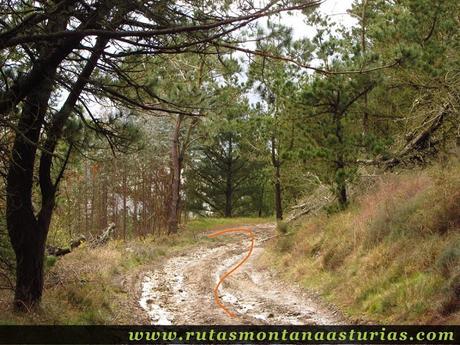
x: 391, y: 257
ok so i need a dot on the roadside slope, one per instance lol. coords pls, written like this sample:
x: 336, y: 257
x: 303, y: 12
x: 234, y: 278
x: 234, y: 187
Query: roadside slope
x: 392, y: 257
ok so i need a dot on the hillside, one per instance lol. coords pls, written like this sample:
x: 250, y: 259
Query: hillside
x: 392, y: 257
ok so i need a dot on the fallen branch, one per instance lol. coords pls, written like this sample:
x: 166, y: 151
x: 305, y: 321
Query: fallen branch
x: 316, y: 201
x: 104, y: 237
x: 56, y: 251
x: 417, y: 142
x: 421, y: 141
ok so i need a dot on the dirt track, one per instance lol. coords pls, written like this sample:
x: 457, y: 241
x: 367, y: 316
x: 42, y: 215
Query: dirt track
x: 181, y: 290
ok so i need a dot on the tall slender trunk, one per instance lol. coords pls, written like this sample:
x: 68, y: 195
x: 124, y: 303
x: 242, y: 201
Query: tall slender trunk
x: 135, y: 203
x: 229, y: 196
x: 363, y: 49
x: 278, y: 203
x: 93, y: 201
x: 125, y: 203
x: 175, y: 171
x: 277, y: 165
x: 103, y: 222
x: 229, y: 180
x: 177, y: 158
x: 261, y: 201
x: 145, y: 204
x: 340, y: 171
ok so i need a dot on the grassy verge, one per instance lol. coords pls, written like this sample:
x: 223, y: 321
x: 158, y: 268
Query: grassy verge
x: 100, y: 286
x: 392, y: 257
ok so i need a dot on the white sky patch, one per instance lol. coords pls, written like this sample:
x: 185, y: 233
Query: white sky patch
x: 336, y: 9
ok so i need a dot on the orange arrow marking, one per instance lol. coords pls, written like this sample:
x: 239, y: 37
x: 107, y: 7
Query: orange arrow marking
x: 226, y: 274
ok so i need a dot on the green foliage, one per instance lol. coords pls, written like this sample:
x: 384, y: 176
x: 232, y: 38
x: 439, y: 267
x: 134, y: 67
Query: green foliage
x: 50, y: 261
x: 282, y: 227
x: 222, y: 178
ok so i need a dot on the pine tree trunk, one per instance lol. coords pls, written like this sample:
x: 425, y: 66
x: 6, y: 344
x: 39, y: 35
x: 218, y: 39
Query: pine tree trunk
x: 276, y: 164
x: 103, y: 222
x: 343, y: 198
x: 125, y: 203
x: 228, y: 200
x: 278, y: 204
x: 176, y: 167
x: 341, y: 180
x: 29, y: 264
x: 27, y: 233
x: 229, y: 183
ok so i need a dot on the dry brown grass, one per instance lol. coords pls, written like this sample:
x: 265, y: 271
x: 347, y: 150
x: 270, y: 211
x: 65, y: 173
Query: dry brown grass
x: 393, y: 256
x: 88, y: 286
x: 101, y: 285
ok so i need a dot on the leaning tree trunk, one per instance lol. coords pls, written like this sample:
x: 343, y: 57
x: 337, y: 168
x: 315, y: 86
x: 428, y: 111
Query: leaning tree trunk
x: 27, y: 233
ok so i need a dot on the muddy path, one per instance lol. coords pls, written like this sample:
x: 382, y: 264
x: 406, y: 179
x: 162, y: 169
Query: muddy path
x: 180, y: 291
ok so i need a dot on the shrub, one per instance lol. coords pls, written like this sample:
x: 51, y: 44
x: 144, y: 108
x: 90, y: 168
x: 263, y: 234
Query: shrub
x: 50, y: 261
x: 285, y: 243
x: 282, y: 227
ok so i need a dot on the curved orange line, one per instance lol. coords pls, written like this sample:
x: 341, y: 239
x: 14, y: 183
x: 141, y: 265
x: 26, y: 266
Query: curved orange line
x: 226, y: 274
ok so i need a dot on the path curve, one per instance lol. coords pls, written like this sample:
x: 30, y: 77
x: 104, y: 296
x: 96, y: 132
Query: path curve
x: 180, y: 291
